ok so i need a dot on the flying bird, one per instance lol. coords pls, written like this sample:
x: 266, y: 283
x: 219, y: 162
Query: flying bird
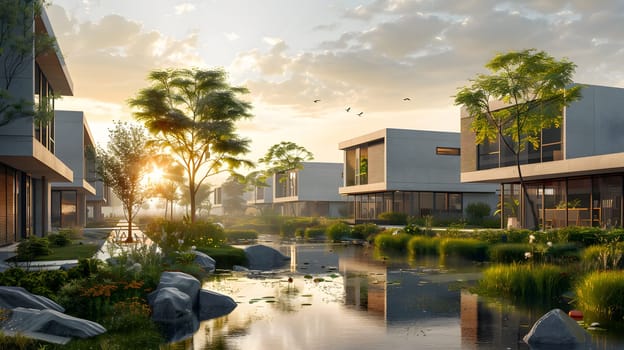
x: 315, y: 101
x: 348, y: 109
x: 407, y: 99
x: 360, y: 114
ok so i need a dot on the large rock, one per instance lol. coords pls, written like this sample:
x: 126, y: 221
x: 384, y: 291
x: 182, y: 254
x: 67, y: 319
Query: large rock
x: 170, y: 305
x: 213, y: 305
x: 556, y: 330
x: 204, y: 260
x: 261, y: 257
x: 182, y: 281
x: 12, y: 297
x: 28, y: 321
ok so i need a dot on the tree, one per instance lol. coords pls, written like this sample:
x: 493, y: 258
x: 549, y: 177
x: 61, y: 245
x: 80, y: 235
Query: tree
x: 172, y: 176
x: 192, y: 114
x: 123, y: 165
x: 233, y: 201
x: 285, y: 156
x: 17, y: 39
x: 534, y: 87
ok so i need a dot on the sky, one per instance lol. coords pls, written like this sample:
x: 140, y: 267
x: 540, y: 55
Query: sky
x: 367, y: 55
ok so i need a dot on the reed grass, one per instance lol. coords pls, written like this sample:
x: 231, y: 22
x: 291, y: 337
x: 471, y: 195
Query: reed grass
x: 389, y: 240
x: 467, y: 248
x: 526, y: 283
x: 423, y: 245
x: 602, y: 294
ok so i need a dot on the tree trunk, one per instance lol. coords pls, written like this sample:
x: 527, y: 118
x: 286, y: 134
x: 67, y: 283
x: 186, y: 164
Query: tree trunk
x: 192, y: 202
x: 129, y: 239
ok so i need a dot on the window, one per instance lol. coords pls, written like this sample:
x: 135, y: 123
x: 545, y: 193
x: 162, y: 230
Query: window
x: 217, y: 196
x: 447, y: 151
x: 286, y: 184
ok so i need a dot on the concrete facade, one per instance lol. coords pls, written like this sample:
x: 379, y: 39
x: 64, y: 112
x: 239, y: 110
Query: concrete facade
x: 414, y: 172
x: 581, y: 183
x: 76, y: 148
x: 28, y: 163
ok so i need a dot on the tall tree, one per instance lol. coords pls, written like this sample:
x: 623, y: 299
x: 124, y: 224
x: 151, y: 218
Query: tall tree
x: 123, y: 165
x: 18, y: 42
x: 233, y: 201
x: 285, y: 156
x: 534, y: 87
x: 193, y: 115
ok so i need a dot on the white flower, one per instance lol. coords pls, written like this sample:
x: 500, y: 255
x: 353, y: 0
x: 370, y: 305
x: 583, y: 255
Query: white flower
x: 531, y: 238
x: 549, y: 244
x: 193, y: 247
x: 180, y: 241
x: 527, y: 255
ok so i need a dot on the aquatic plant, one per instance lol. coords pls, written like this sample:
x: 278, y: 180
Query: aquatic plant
x: 467, y: 248
x: 423, y: 245
x: 536, y: 284
x: 602, y: 294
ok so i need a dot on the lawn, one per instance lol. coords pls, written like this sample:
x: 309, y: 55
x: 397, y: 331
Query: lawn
x: 72, y: 251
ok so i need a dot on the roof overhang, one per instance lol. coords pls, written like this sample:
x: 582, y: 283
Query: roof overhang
x: 583, y: 166
x: 41, y: 163
x: 52, y: 63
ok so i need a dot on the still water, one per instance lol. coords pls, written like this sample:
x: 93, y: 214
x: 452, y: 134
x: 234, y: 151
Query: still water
x: 344, y: 297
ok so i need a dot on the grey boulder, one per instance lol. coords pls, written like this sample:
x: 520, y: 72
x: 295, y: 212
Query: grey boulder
x: 186, y: 283
x: 170, y: 305
x: 557, y: 330
x: 261, y: 257
x: 13, y: 297
x: 51, y: 322
x: 213, y: 305
x: 204, y: 260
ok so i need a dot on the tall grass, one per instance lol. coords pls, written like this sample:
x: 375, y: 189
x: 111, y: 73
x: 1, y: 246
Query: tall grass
x: 389, y: 240
x: 525, y: 283
x: 508, y: 252
x: 467, y: 248
x: 423, y: 245
x: 602, y: 294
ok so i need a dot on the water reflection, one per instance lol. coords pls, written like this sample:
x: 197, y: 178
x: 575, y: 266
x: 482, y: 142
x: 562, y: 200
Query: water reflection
x: 341, y: 297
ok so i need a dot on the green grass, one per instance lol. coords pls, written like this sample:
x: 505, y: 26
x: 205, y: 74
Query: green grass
x: 601, y: 293
x: 73, y: 251
x: 423, y: 245
x: 468, y: 248
x: 527, y: 284
x: 387, y: 240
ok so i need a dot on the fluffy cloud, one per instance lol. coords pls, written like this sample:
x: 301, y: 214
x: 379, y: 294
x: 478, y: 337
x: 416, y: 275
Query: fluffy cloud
x: 425, y: 50
x: 109, y: 60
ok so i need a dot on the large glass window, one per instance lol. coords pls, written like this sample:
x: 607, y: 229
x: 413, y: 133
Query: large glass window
x: 607, y: 202
x: 579, y: 202
x: 64, y: 208
x: 496, y: 154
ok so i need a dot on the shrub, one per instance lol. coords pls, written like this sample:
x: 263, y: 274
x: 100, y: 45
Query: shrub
x: 60, y: 239
x: 393, y: 218
x: 33, y: 247
x: 467, y: 248
x: 338, y: 231
x: 241, y: 235
x: 423, y: 245
x: 314, y: 233
x: 476, y: 212
x: 508, y: 252
x: 525, y: 283
x: 392, y: 240
x: 363, y: 231
x: 602, y: 294
x: 504, y: 236
x: 289, y: 225
x: 226, y: 256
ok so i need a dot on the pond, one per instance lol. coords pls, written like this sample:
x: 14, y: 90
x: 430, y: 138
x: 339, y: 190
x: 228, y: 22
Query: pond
x: 343, y: 297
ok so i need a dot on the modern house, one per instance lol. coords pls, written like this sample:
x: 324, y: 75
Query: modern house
x: 310, y: 191
x: 573, y: 179
x: 414, y: 172
x: 76, y: 148
x: 28, y: 163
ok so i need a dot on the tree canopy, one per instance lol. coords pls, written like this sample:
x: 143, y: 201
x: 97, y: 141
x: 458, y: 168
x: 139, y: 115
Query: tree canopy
x: 192, y: 113
x: 285, y: 156
x: 123, y: 165
x: 533, y: 87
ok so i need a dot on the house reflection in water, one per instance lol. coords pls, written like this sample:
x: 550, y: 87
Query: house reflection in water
x: 415, y: 296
